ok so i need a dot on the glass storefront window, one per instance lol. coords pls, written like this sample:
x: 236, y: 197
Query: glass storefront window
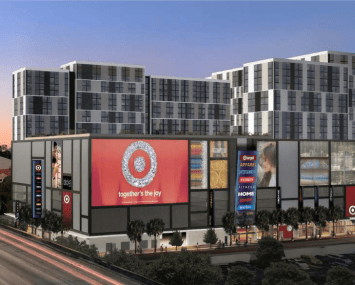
x: 343, y: 163
x: 314, y: 163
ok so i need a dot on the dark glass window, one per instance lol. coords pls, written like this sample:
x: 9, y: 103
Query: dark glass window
x: 86, y: 85
x: 96, y: 101
x: 311, y: 126
x: 184, y: 91
x: 257, y: 77
x: 125, y: 74
x: 138, y: 72
x: 131, y: 88
x: 216, y: 92
x: 62, y: 106
x: 112, y: 73
x: 86, y: 116
x: 311, y: 77
x: 112, y: 102
x: 169, y: 108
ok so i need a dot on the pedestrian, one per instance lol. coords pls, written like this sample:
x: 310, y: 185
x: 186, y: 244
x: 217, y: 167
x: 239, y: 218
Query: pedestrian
x: 197, y: 246
x: 166, y: 249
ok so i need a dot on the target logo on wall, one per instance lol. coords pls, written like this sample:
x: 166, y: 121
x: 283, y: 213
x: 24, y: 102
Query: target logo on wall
x: 352, y: 210
x: 67, y: 208
x: 66, y: 199
x: 139, y: 164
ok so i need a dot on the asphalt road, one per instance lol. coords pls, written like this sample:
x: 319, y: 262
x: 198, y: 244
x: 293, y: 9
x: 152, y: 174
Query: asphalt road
x: 26, y: 262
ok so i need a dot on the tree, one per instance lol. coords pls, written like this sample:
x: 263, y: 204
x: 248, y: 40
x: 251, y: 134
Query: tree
x: 292, y: 217
x: 210, y: 237
x: 51, y: 223
x: 155, y: 227
x: 269, y: 250
x: 176, y: 239
x: 277, y: 218
x: 335, y: 213
x: 135, y: 231
x: 340, y: 275
x: 321, y: 215
x: 307, y: 216
x: 262, y: 221
x: 279, y: 272
x: 239, y: 275
x: 184, y: 268
x: 127, y: 261
x: 228, y: 224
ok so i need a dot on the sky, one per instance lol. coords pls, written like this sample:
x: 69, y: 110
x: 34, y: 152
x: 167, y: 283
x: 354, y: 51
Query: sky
x: 188, y: 39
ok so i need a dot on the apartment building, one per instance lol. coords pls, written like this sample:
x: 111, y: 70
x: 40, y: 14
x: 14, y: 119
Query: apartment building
x: 40, y: 102
x: 178, y: 105
x: 305, y: 97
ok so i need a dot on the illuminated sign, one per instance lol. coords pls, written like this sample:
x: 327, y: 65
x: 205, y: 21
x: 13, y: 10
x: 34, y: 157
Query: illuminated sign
x: 37, y: 188
x: 245, y: 191
x: 316, y: 196
x: 67, y: 209
x: 350, y: 201
x: 17, y: 208
x: 67, y: 182
x: 278, y: 198
x: 139, y: 172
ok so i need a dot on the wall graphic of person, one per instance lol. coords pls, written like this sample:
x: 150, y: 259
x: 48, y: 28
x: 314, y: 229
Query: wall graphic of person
x: 268, y: 165
x: 54, y: 160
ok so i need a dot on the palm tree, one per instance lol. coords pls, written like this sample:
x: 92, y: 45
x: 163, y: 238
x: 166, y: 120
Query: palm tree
x: 292, y: 217
x: 321, y: 215
x: 335, y: 213
x: 155, y: 227
x: 262, y: 221
x: 228, y: 224
x: 135, y: 231
x: 307, y: 215
x: 277, y: 218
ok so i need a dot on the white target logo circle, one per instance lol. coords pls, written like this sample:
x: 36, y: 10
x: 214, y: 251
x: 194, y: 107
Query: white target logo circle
x: 352, y: 210
x: 38, y: 167
x: 66, y: 199
x: 139, y: 164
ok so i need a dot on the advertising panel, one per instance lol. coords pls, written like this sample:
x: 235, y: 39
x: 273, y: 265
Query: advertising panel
x: 245, y: 192
x: 57, y: 164
x: 218, y: 149
x: 350, y: 202
x: 67, y: 209
x: 343, y: 163
x: 267, y: 164
x: 139, y: 172
x: 37, y: 188
x: 198, y: 165
x: 218, y: 174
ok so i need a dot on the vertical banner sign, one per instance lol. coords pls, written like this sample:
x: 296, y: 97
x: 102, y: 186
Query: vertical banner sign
x: 245, y: 188
x: 37, y: 188
x: 316, y: 196
x: 350, y: 202
x: 17, y: 208
x: 57, y: 164
x: 300, y: 200
x: 331, y: 196
x: 67, y: 209
x: 278, y: 198
x: 211, y: 215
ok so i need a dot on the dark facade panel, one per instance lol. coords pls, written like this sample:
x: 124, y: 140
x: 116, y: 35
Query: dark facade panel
x: 288, y: 169
x: 151, y: 212
x: 180, y: 216
x: 108, y: 220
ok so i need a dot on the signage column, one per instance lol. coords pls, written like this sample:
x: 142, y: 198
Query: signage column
x: 37, y: 188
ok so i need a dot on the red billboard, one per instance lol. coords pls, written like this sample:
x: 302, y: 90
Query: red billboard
x: 350, y: 201
x: 67, y: 208
x: 139, y: 172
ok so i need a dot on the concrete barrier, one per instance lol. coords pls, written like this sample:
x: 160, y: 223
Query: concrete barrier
x: 320, y: 250
x: 231, y: 257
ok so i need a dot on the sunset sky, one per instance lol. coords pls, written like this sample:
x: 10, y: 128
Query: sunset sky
x: 190, y: 39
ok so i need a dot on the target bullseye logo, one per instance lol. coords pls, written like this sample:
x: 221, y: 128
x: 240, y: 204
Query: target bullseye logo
x: 352, y: 210
x: 38, y: 167
x: 66, y: 199
x: 139, y: 164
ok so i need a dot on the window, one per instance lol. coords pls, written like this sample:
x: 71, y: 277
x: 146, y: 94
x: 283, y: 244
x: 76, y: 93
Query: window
x: 182, y: 110
x: 270, y: 75
x: 175, y: 90
x: 86, y: 85
x: 277, y: 94
x: 277, y: 125
x: 112, y: 73
x: 311, y: 77
x: 46, y: 105
x: 39, y: 125
x: 96, y: 72
x: 343, y: 59
x: 292, y: 100
x: 131, y: 88
x: 226, y: 92
x: 18, y: 84
x: 112, y: 129
x: 317, y: 102
x: 125, y: 74
x: 96, y: 101
x: 216, y: 92
x: 329, y: 103
x: 154, y: 89
x: 104, y: 117
x: 324, y: 79
x: 112, y: 102
x: 331, y: 58
x: 264, y: 99
x: 202, y: 111
x: 257, y: 123
x: 345, y: 80
x: 163, y: 90
x: 286, y: 75
x: 29, y: 126
x: 131, y: 117
x: 323, y: 126
x: 119, y: 117
x: 343, y: 103
x: 311, y: 126
x: 211, y: 111
x: 184, y: 91
x: 335, y: 82
x: 353, y: 65
x: 219, y: 76
x: 105, y: 86
x: 62, y: 106
x: 138, y: 74
x: 246, y: 76
x: 66, y: 85
x: 277, y: 75
x: 305, y: 101
x: 257, y: 77
x: 336, y: 126
x: 251, y: 102
x: 28, y: 83
x: 96, y: 128
x: 86, y: 116
x: 216, y: 127
x: 190, y: 110
x: 138, y: 103
x: 222, y: 112
x: 169, y: 109
x: 54, y: 84
x: 157, y: 110
x: 200, y: 91
x: 298, y: 77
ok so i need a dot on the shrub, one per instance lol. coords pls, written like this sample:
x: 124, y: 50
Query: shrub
x: 124, y: 260
x: 340, y: 275
x: 269, y: 250
x: 239, y: 275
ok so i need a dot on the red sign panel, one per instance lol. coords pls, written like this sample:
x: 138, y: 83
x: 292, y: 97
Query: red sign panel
x: 67, y: 208
x: 245, y: 157
x: 139, y: 172
x: 350, y: 201
x: 246, y: 179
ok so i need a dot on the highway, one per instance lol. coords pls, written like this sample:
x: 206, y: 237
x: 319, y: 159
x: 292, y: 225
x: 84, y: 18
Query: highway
x: 24, y: 261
